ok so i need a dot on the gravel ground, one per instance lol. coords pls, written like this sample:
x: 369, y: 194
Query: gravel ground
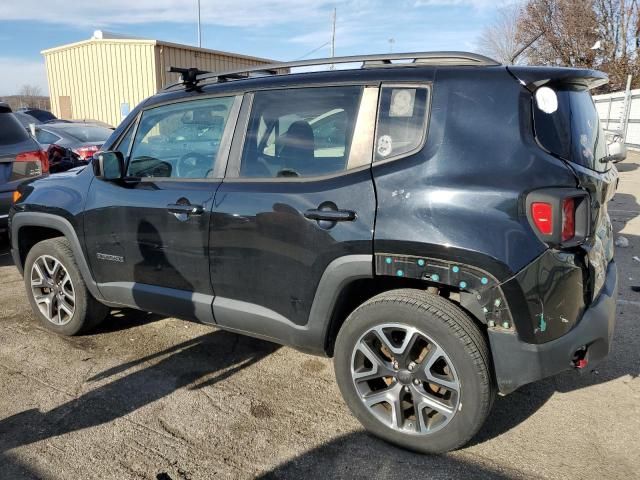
x: 148, y: 397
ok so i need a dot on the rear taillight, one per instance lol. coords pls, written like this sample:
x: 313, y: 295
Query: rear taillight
x: 86, y: 152
x: 568, y: 219
x: 542, y: 216
x: 40, y: 160
x: 559, y: 216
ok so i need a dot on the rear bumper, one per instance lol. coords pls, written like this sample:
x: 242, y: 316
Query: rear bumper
x: 518, y: 363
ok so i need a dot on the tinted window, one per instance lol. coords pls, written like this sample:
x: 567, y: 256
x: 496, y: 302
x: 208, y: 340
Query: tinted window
x: 85, y: 133
x: 46, y: 137
x: 11, y: 131
x: 300, y: 132
x: 573, y: 130
x: 180, y: 140
x: 402, y: 121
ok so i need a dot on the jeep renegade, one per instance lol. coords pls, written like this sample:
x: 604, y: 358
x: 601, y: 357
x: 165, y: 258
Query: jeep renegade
x: 435, y: 222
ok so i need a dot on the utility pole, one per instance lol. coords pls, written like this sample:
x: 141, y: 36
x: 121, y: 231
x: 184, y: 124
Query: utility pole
x: 391, y: 42
x: 199, y: 30
x: 333, y: 37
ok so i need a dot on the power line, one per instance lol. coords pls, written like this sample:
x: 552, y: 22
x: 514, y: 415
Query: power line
x: 313, y: 51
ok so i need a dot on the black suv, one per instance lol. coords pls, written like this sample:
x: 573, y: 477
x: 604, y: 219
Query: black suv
x: 438, y: 226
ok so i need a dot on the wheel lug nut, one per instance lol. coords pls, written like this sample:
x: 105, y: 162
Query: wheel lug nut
x: 411, y: 366
x: 395, y: 365
x: 416, y: 382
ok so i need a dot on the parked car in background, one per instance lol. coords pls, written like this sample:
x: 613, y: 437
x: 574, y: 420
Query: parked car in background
x: 70, y: 144
x: 41, y: 115
x: 26, y: 120
x: 20, y: 157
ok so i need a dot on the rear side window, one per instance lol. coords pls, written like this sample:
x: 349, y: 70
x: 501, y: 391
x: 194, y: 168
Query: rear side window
x: 572, y: 131
x: 300, y: 132
x: 46, y: 137
x: 402, y: 121
x: 11, y: 130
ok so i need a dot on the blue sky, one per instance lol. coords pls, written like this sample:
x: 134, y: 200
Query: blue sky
x: 277, y: 29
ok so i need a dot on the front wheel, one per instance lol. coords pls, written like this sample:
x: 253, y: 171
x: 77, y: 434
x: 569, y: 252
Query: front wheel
x: 56, y: 290
x: 414, y: 369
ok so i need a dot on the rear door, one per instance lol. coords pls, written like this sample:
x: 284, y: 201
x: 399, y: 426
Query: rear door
x: 298, y: 194
x: 148, y: 236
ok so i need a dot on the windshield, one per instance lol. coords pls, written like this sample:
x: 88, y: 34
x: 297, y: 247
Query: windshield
x: 85, y: 133
x: 573, y: 131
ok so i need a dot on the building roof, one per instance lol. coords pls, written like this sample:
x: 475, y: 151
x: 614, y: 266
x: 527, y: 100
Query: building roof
x: 100, y: 36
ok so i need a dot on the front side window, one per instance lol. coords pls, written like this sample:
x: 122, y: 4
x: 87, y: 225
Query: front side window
x: 300, y: 132
x: 402, y: 121
x: 181, y: 140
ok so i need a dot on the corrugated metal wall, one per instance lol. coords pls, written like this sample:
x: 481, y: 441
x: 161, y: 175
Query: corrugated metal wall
x: 100, y: 76
x: 95, y: 79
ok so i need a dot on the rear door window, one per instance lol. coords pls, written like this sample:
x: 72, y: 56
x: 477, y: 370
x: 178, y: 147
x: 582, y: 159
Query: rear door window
x: 11, y: 130
x: 402, y: 121
x: 301, y: 132
x: 573, y: 131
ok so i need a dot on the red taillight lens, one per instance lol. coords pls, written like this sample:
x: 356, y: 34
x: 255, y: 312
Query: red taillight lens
x: 37, y: 156
x: 86, y: 152
x: 542, y: 215
x: 568, y: 219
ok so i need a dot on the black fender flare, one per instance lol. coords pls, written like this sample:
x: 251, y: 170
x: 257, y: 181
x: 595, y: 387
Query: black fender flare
x: 55, y: 222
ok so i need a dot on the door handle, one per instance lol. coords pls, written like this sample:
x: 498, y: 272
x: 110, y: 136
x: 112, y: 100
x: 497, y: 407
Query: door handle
x: 182, y: 209
x: 330, y: 215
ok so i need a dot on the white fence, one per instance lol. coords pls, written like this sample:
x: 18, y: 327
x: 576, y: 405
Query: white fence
x: 612, y: 112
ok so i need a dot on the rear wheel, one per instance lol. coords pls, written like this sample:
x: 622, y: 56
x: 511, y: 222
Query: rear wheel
x: 56, y: 290
x: 414, y: 369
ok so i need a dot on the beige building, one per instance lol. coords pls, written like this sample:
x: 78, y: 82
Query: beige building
x: 105, y: 77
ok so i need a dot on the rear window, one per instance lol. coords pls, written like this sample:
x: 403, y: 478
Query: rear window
x: 573, y: 131
x: 11, y: 130
x: 87, y: 134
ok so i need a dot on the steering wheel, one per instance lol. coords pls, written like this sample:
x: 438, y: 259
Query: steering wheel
x: 193, y: 165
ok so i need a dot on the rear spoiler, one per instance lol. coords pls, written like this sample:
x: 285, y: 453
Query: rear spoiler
x: 534, y: 77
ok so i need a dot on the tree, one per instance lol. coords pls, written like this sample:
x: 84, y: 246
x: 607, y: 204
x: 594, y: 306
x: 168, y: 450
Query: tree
x: 500, y: 40
x: 601, y: 34
x: 30, y: 95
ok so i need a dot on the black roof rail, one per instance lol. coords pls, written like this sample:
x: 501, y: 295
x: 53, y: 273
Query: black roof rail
x: 387, y: 60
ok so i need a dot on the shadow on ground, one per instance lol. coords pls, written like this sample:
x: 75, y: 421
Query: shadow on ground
x: 196, y: 363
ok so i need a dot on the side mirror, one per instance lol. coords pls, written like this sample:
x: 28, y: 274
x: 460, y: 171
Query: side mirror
x: 108, y: 165
x: 617, y: 152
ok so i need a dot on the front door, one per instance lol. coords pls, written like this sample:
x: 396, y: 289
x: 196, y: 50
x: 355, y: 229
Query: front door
x: 148, y: 235
x: 298, y: 195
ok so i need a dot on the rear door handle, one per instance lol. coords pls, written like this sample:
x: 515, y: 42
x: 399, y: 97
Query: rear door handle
x: 177, y: 208
x: 331, y: 215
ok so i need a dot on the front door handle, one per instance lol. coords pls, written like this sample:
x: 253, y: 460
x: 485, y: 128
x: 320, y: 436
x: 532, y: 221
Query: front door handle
x: 330, y: 215
x: 185, y: 209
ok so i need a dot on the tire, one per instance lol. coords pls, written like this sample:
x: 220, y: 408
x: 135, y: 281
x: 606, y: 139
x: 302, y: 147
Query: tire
x: 81, y: 314
x: 461, y: 366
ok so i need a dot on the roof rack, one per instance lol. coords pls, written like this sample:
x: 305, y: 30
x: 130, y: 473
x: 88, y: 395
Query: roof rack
x: 366, y: 61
